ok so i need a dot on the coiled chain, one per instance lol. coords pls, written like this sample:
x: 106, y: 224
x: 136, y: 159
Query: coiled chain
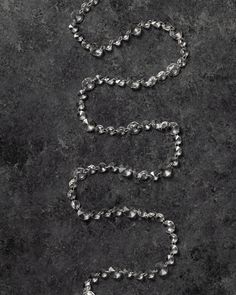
x: 170, y: 128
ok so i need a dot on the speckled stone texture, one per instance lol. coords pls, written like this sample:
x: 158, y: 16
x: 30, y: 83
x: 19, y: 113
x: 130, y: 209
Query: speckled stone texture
x: 45, y: 248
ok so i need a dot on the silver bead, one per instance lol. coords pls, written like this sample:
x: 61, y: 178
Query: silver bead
x: 170, y: 260
x: 178, y: 151
x: 121, y: 130
x: 137, y: 31
x: 91, y: 126
x: 109, y: 47
x: 102, y: 167
x: 163, y: 271
x: 132, y: 214
x: 86, y: 216
x: 104, y: 275
x: 161, y: 76
x: 160, y: 216
x: 88, y: 84
x: 134, y: 84
x: 174, y: 249
x: 98, y: 52
x: 151, y: 276
x: 71, y: 195
x: 100, y: 129
x: 79, y: 18
x: 143, y: 175
x: 178, y: 140
x: 134, y: 127
x: 156, y: 24
x: 92, y: 169
x: 128, y: 172
x: 154, y: 175
x: 111, y: 130
x: 174, y: 238
x: 151, y: 81
x: 167, y: 173
x: 117, y: 275
x: 126, y: 37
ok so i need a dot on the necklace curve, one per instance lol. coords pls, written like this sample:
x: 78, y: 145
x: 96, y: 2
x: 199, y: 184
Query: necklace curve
x: 172, y: 129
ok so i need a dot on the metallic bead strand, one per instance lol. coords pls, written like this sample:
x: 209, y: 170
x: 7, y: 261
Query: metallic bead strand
x: 172, y: 129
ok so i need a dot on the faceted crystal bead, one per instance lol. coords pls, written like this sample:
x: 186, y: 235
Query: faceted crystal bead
x: 126, y: 37
x: 117, y: 275
x: 154, y: 175
x: 79, y: 18
x: 160, y: 216
x: 88, y: 84
x: 140, y: 277
x: 174, y: 249
x: 132, y: 214
x: 167, y: 173
x: 86, y: 216
x: 80, y: 213
x: 170, y: 260
x: 121, y: 130
x: 134, y: 127
x: 109, y: 47
x: 167, y: 27
x: 117, y: 43
x: 71, y: 195
x: 175, y: 163
x: 111, y: 130
x: 170, y: 226
x: 75, y: 205
x: 137, y: 31
x: 95, y: 280
x: 173, y: 69
x: 161, y: 76
x: 143, y: 175
x: 104, y: 275
x: 72, y: 183
x: 111, y: 81
x: 175, y: 129
x: 74, y: 30
x: 102, y: 167
x: 97, y: 216
x: 151, y: 276
x: 178, y: 151
x: 128, y: 172
x: 164, y: 125
x: 98, y: 52
x: 82, y: 176
x: 76, y: 36
x: 163, y: 271
x: 147, y: 125
x: 174, y: 238
x: 156, y: 24
x: 100, y: 129
x: 178, y: 140
x: 92, y: 169
x: 147, y: 25
x: 91, y: 126
x: 130, y: 275
x: 134, y: 84
x: 151, y: 81
x: 89, y: 293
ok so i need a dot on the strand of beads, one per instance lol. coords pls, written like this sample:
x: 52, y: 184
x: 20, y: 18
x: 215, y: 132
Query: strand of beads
x: 170, y: 128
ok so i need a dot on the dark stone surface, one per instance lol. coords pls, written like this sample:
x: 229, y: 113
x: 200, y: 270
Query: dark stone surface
x: 45, y: 249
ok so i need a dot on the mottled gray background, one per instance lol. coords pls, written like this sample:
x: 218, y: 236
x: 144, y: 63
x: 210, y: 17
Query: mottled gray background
x: 45, y: 248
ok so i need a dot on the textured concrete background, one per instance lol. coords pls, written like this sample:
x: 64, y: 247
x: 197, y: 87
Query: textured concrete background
x: 45, y: 249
